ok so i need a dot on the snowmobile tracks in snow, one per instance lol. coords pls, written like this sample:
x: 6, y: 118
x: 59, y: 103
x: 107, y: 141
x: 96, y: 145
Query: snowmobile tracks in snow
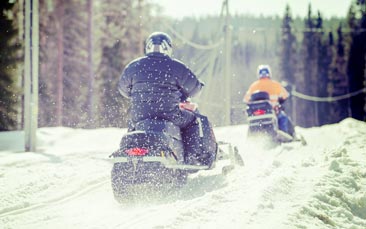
x: 64, y: 198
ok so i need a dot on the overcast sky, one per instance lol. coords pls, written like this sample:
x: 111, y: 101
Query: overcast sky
x: 181, y: 8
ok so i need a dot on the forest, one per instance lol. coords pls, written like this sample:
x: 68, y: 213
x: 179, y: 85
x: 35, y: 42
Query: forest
x: 84, y: 46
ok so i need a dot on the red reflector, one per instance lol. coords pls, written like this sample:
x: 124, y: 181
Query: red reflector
x: 259, y: 112
x: 137, y: 151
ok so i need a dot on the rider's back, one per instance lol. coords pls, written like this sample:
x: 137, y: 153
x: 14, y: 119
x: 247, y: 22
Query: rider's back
x: 273, y: 88
x: 156, y: 84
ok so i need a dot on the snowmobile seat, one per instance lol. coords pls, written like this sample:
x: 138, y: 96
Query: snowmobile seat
x: 259, y: 95
x: 153, y: 125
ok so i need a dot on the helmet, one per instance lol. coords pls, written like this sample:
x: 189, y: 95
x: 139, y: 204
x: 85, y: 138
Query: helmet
x: 159, y: 42
x: 264, y: 71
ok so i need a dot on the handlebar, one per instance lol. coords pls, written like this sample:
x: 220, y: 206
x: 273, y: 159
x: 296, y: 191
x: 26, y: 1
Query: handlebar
x: 188, y: 106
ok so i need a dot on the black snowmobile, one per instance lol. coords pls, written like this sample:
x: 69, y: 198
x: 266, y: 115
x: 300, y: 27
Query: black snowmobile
x: 152, y: 153
x: 263, y: 121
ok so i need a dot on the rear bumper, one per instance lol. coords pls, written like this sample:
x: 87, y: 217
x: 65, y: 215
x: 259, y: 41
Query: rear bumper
x: 166, y: 162
x: 267, y: 119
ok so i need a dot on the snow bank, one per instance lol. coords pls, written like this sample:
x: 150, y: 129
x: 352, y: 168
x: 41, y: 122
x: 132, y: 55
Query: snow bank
x: 66, y: 184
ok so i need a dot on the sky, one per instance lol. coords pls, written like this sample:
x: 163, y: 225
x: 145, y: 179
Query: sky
x: 179, y: 9
x: 66, y: 183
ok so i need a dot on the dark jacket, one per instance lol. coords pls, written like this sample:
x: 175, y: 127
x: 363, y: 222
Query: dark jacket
x: 156, y: 84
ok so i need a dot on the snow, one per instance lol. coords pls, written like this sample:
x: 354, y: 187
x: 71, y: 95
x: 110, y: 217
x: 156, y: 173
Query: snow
x: 66, y: 184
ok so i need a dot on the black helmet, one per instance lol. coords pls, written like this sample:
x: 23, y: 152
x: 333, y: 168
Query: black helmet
x: 159, y: 42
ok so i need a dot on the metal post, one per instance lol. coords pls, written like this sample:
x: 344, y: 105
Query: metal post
x: 227, y: 118
x: 31, y: 74
x: 20, y: 69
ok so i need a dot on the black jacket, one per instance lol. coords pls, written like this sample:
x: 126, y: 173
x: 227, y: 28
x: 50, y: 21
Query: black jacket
x: 157, y: 83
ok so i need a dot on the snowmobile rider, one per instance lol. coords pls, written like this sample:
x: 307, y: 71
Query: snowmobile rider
x: 156, y: 83
x: 278, y: 95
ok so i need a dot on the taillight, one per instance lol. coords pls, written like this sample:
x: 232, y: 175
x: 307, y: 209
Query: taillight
x: 136, y: 151
x: 259, y: 112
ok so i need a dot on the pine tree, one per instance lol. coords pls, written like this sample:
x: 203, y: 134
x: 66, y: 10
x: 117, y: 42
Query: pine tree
x: 362, y: 5
x: 288, y: 62
x: 332, y: 71
x: 325, y: 56
x: 8, y: 62
x: 63, y: 63
x: 307, y: 84
x: 119, y: 45
x: 288, y: 45
x: 338, y: 84
x: 90, y: 106
x: 48, y: 84
x: 75, y: 69
x: 65, y: 56
x: 356, y: 65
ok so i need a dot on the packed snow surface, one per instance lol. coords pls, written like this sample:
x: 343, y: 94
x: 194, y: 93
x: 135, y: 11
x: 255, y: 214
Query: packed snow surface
x: 66, y: 184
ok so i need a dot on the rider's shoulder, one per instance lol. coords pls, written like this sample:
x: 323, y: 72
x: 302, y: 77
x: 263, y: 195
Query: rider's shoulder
x: 135, y: 61
x: 179, y: 63
x: 277, y: 83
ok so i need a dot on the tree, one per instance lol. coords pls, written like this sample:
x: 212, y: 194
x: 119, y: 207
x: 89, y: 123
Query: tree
x: 307, y: 82
x: 288, y: 62
x: 338, y: 84
x: 63, y: 63
x: 362, y: 4
x: 288, y: 49
x: 90, y: 97
x: 75, y: 64
x: 8, y: 63
x: 356, y: 64
x: 71, y: 93
x: 49, y: 79
x: 119, y: 45
x: 325, y: 56
x: 60, y: 15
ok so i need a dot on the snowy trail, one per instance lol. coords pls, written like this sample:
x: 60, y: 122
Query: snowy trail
x: 67, y: 185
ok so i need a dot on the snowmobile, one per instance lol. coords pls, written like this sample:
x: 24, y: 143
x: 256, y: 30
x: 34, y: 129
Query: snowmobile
x: 152, y: 153
x: 263, y: 121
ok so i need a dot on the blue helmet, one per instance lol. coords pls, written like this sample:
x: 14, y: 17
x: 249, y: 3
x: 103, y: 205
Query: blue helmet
x: 264, y: 71
x: 159, y: 42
